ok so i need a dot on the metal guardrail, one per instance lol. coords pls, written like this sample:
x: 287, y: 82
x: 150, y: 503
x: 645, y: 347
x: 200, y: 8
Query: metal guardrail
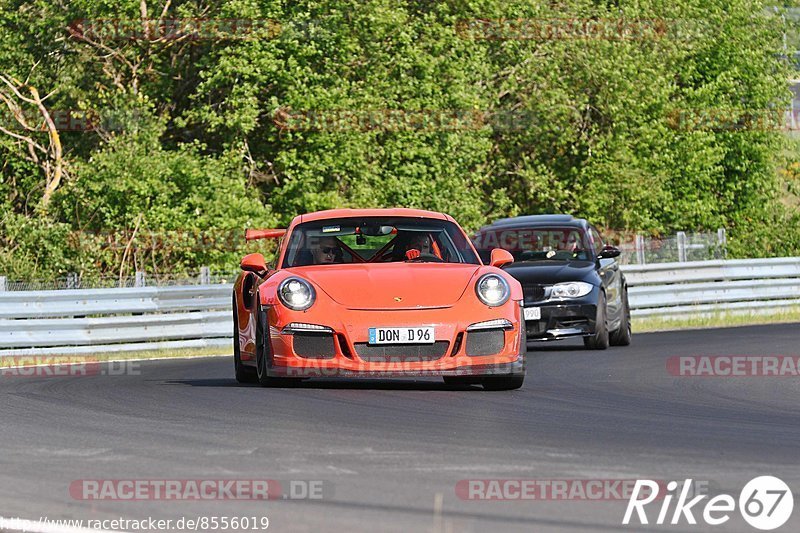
x: 84, y: 302
x: 130, y: 319
x: 742, y: 286
x: 108, y: 320
x: 111, y: 329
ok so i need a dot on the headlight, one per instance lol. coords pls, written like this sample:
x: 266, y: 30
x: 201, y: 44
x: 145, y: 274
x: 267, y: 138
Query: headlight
x: 492, y: 290
x: 296, y: 294
x: 573, y: 289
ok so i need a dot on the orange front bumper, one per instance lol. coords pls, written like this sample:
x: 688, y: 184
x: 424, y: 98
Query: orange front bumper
x: 349, y: 353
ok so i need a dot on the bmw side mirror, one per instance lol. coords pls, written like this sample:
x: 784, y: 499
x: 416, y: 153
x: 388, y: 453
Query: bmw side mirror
x: 500, y: 258
x: 609, y: 252
x: 253, y: 263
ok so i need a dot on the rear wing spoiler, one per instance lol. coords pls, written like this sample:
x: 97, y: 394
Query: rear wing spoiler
x: 255, y: 234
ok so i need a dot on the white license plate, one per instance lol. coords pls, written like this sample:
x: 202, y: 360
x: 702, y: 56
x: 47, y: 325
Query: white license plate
x: 420, y: 335
x: 533, y: 313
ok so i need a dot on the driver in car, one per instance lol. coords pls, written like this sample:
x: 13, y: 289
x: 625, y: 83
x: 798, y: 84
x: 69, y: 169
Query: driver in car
x: 326, y: 251
x: 419, y: 244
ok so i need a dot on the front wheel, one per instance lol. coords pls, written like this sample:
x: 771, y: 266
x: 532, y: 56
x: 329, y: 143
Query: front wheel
x: 599, y: 341
x: 622, y: 336
x: 263, y: 351
x: 244, y: 374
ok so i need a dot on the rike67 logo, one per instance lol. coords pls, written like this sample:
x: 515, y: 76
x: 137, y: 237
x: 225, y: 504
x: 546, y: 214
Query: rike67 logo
x: 765, y: 503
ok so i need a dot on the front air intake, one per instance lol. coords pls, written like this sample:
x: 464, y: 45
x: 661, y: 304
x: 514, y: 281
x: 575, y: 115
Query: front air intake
x: 312, y: 345
x: 488, y: 342
x: 401, y: 352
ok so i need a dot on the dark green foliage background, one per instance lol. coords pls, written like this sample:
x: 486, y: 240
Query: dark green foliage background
x: 585, y: 126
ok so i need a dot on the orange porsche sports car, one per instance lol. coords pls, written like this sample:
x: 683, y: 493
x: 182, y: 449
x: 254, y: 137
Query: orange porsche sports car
x: 377, y: 293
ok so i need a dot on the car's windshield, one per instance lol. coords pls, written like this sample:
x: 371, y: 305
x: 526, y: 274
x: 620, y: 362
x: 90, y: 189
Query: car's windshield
x: 377, y: 240
x: 536, y: 244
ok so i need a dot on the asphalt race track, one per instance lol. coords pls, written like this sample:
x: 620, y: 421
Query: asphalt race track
x: 389, y: 454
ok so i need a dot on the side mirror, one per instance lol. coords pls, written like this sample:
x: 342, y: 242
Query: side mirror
x: 253, y: 263
x: 501, y: 258
x: 608, y: 252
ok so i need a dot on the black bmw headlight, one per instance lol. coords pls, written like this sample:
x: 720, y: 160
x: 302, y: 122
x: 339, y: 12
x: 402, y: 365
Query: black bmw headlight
x: 571, y: 289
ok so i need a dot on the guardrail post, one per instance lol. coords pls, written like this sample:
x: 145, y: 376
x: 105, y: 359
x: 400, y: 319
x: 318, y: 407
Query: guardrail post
x: 140, y: 280
x: 682, y: 246
x: 639, y: 244
x: 2, y: 284
x: 205, y: 276
x: 722, y: 240
x: 72, y: 280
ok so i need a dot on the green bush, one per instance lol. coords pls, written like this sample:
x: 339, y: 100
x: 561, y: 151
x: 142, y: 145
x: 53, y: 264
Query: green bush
x: 476, y: 109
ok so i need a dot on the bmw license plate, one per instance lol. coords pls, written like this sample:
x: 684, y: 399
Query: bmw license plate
x: 420, y: 335
x: 533, y: 313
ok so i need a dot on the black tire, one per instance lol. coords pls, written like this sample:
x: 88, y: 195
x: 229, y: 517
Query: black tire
x: 503, y: 382
x: 622, y: 336
x: 244, y: 374
x: 263, y: 348
x: 599, y: 341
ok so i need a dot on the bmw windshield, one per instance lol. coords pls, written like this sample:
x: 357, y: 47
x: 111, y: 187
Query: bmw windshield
x: 537, y: 244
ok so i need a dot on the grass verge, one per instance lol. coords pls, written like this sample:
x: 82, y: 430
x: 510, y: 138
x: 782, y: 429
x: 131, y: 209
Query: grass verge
x: 8, y: 361
x: 716, y: 320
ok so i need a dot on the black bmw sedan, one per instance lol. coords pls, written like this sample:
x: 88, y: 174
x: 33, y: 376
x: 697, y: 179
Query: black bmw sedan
x: 572, y: 282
